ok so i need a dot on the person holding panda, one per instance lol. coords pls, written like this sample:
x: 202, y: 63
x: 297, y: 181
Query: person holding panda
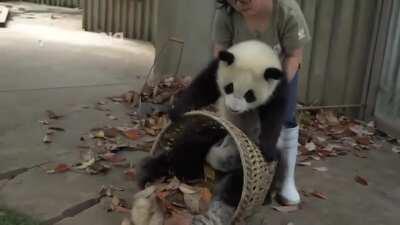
x: 281, y: 25
x: 258, y: 46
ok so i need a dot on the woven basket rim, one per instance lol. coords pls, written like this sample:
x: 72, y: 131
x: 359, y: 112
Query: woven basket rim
x: 232, y: 130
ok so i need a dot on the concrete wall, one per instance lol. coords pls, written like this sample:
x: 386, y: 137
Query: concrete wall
x: 189, y: 21
x: 387, y: 109
x: 136, y: 19
x: 64, y: 3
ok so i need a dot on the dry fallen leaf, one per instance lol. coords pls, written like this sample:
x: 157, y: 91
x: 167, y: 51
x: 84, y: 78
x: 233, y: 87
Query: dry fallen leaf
x: 317, y: 158
x: 44, y: 122
x: 286, y: 209
x: 164, y: 197
x: 321, y: 169
x: 130, y: 173
x: 186, y: 189
x: 117, y: 99
x: 361, y: 180
x: 111, y: 117
x: 307, y: 163
x: 363, y: 140
x: 359, y: 155
x: 311, y: 146
x: 120, y: 209
x: 97, y: 168
x: 52, y: 115
x: 150, y: 131
x: 371, y: 124
x: 106, y: 191
x: 129, y: 97
x: 319, y: 195
x: 179, y: 219
x: 111, y: 132
x: 146, y: 193
x: 100, y: 135
x: 132, y: 134
x: 305, y: 193
x: 206, y: 197
x: 60, y: 168
x: 86, y: 164
x: 173, y: 184
x: 47, y: 139
x: 360, y: 130
x: 101, y: 103
x: 115, y: 202
x: 87, y: 155
x: 396, y: 149
x: 331, y: 118
x: 57, y: 128
x: 126, y: 221
x: 50, y: 132
x: 112, y: 157
x: 197, y: 202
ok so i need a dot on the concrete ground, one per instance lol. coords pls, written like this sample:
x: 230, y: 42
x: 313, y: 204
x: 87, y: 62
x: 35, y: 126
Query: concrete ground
x: 50, y: 63
x: 348, y: 201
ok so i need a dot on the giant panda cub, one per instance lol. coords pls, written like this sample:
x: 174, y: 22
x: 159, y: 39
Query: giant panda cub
x: 247, y: 84
x: 250, y: 89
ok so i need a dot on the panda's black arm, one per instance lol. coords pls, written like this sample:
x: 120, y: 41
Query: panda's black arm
x: 272, y: 118
x: 203, y: 91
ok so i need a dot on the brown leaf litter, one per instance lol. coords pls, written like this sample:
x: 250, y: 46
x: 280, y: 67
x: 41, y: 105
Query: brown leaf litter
x: 171, y: 202
x: 324, y: 134
x: 361, y: 180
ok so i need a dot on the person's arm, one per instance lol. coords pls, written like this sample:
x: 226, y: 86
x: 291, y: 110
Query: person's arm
x: 217, y: 49
x: 222, y: 31
x: 295, y: 35
x: 292, y: 62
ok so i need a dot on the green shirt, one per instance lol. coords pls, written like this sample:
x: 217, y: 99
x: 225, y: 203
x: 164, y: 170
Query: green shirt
x: 286, y: 32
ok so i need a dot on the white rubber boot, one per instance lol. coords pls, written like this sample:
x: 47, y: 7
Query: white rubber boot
x: 288, y: 145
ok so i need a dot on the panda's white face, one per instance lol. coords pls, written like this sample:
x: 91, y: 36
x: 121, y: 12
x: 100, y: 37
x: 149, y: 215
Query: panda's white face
x: 244, y: 91
x: 248, y: 75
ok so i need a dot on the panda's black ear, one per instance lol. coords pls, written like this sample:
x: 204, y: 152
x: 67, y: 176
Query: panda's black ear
x: 273, y: 73
x: 227, y: 57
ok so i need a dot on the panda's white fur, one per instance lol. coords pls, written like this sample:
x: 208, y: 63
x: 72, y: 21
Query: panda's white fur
x: 252, y: 58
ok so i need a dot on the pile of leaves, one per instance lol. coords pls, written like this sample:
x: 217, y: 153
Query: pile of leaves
x: 162, y: 93
x: 324, y: 134
x: 101, y: 148
x: 170, y: 202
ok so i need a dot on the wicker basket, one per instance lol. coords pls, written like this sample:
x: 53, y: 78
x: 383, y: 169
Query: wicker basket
x: 258, y: 174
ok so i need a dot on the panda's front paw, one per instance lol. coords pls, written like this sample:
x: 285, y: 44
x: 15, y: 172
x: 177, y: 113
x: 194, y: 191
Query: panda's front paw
x: 143, y: 173
x: 175, y: 113
x: 150, y: 169
x: 270, y: 153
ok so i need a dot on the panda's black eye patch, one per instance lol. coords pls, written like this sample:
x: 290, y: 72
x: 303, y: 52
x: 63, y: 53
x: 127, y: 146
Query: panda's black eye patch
x: 250, y: 97
x: 229, y: 89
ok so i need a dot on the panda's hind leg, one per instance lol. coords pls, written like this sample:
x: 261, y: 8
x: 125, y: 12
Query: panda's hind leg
x: 227, y: 194
x: 224, y: 155
x: 229, y: 188
x: 151, y: 169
